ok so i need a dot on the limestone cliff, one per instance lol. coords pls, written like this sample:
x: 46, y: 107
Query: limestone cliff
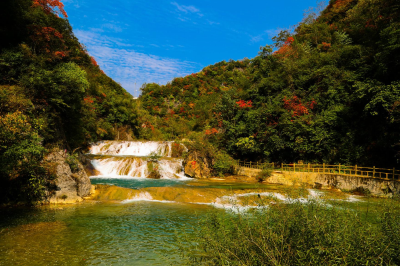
x: 69, y: 187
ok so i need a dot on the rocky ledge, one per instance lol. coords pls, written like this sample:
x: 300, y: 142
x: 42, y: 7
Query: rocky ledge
x: 69, y: 186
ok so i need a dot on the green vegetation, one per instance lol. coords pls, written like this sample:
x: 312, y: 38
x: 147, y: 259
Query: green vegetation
x: 328, y: 93
x: 154, y: 168
x: 72, y: 160
x: 264, y: 174
x: 52, y: 94
x: 202, y: 151
x: 299, y: 234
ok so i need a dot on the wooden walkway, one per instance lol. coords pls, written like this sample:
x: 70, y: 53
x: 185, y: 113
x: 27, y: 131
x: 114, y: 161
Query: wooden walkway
x: 344, y: 170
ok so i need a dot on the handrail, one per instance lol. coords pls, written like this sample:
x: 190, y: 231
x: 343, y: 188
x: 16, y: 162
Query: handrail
x: 347, y: 170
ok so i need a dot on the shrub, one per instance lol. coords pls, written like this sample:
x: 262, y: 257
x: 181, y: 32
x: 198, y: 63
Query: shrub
x: 73, y: 162
x: 223, y: 164
x: 153, y: 170
x: 264, y: 174
x: 154, y: 157
x: 201, y: 149
x: 177, y: 150
x: 299, y: 234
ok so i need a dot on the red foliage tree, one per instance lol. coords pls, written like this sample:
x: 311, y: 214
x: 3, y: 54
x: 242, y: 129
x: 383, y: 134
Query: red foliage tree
x: 212, y: 131
x: 51, y: 6
x: 93, y: 61
x: 286, y: 50
x: 294, y: 104
x: 48, y: 38
x: 242, y: 104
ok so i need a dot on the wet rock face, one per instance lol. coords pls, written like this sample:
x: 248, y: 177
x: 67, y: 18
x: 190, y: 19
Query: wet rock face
x: 69, y: 187
x: 197, y: 167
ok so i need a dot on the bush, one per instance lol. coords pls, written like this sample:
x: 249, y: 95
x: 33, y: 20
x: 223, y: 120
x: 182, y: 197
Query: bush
x: 153, y: 170
x: 264, y: 174
x: 223, y: 164
x: 177, y: 150
x: 299, y: 234
x: 73, y: 162
x: 200, y: 149
x: 154, y: 157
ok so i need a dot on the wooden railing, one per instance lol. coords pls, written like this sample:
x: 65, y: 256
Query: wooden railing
x: 255, y: 165
x: 366, y: 172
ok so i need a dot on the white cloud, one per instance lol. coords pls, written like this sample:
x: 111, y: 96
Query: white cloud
x: 127, y: 66
x: 112, y: 27
x: 186, y: 9
x: 260, y: 37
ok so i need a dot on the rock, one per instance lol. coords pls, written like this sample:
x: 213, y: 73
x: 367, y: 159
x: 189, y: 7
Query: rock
x: 197, y: 167
x: 317, y: 185
x: 68, y: 187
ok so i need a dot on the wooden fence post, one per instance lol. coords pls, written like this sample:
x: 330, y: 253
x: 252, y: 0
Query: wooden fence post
x: 356, y: 171
x: 294, y: 167
x: 373, y: 173
x: 394, y: 172
x: 250, y: 164
x: 308, y: 167
x: 339, y: 169
x: 323, y: 168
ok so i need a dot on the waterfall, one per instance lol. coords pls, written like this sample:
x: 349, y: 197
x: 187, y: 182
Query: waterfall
x: 133, y: 148
x: 130, y: 159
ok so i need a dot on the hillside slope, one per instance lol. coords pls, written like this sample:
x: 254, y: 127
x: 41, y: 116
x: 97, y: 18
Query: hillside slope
x: 52, y: 95
x: 329, y: 92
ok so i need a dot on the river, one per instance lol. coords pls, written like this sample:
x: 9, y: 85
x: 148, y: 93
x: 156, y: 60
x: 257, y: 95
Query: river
x: 134, y: 220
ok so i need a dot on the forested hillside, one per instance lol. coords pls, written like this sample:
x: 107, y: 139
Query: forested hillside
x: 52, y: 94
x: 327, y: 92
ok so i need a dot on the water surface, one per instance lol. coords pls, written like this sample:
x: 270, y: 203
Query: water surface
x: 139, y: 233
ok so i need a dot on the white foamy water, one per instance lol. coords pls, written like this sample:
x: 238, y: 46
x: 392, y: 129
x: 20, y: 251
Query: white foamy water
x: 266, y: 194
x: 121, y: 167
x: 144, y: 196
x: 116, y: 167
x: 133, y: 148
x: 116, y: 162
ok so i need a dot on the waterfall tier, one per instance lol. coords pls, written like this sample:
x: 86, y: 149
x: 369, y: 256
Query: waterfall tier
x: 138, y: 148
x: 126, y: 159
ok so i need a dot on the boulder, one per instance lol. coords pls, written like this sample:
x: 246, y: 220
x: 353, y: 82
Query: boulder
x: 197, y: 167
x: 68, y: 187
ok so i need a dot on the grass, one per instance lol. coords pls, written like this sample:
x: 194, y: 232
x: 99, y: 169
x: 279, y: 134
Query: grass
x: 311, y: 233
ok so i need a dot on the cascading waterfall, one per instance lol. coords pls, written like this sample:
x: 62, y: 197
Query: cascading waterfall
x: 133, y: 148
x: 133, y: 159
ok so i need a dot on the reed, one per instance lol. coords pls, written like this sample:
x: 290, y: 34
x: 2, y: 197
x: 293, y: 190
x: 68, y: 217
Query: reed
x: 311, y: 233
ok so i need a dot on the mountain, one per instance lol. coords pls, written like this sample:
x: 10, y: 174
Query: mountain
x: 53, y: 95
x: 327, y: 92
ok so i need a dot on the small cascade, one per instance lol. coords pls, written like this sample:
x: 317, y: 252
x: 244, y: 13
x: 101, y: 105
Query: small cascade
x: 133, y: 148
x: 131, y: 159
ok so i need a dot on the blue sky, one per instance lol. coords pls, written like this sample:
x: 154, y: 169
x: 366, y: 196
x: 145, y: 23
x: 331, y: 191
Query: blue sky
x: 154, y: 41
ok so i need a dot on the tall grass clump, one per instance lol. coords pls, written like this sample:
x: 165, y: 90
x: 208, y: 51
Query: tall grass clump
x: 309, y: 233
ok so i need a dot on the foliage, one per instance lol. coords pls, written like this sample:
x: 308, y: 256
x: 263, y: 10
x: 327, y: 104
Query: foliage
x: 298, y: 234
x: 264, y: 174
x: 154, y: 157
x: 51, y: 92
x: 154, y: 172
x: 201, y: 149
x: 73, y: 162
x: 223, y: 164
x: 313, y: 98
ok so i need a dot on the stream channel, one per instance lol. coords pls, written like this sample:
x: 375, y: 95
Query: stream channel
x: 134, y: 220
